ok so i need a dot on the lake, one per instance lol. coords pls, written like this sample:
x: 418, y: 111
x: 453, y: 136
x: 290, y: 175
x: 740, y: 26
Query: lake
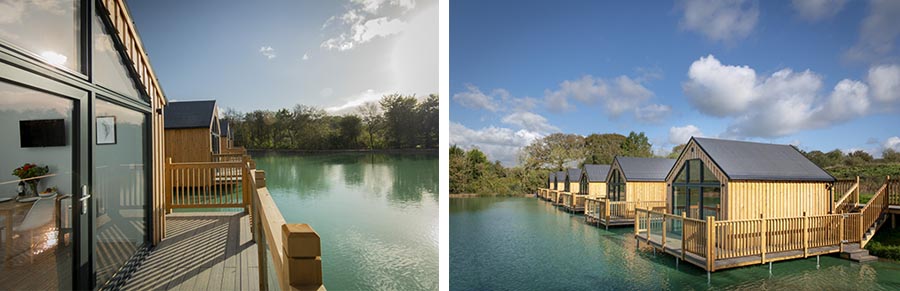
x: 377, y: 214
x: 527, y: 244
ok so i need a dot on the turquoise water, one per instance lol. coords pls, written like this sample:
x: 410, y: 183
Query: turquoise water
x: 377, y: 214
x: 527, y: 244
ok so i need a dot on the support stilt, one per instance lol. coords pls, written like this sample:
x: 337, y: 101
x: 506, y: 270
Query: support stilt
x: 817, y: 262
x: 708, y: 278
x: 770, y: 268
x: 676, y: 263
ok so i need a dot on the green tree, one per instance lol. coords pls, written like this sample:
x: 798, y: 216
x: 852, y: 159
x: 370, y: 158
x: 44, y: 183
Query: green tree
x: 350, y: 128
x: 401, y: 125
x: 637, y: 145
x: 371, y: 118
x: 891, y: 156
x: 602, y: 148
x: 676, y: 151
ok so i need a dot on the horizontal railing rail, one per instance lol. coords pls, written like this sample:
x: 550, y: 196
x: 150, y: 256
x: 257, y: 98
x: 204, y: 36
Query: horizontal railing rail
x: 849, y: 195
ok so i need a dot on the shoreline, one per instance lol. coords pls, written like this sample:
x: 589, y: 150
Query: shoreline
x: 377, y: 151
x: 470, y: 195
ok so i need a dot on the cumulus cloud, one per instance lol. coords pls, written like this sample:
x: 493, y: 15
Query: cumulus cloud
x: 653, y: 113
x: 529, y: 121
x: 617, y: 95
x: 366, y: 20
x: 892, y: 143
x: 498, y: 143
x: 814, y: 10
x: 268, y: 52
x: 884, y: 81
x: 772, y: 106
x: 725, y: 20
x: 681, y: 134
x: 353, y: 101
x: 878, y: 32
x: 475, y: 99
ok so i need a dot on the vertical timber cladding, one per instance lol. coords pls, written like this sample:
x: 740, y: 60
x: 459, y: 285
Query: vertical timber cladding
x: 693, y: 151
x: 773, y: 199
x: 134, y: 48
x: 645, y: 191
x: 596, y: 190
x: 188, y: 145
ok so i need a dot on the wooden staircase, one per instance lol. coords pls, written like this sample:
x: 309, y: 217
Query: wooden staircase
x: 874, y: 214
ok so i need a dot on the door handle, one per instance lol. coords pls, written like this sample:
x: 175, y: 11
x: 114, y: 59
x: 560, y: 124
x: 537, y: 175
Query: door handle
x: 84, y: 199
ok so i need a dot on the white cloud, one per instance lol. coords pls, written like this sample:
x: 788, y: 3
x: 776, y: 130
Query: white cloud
x: 681, y: 134
x: 617, y: 95
x: 268, y: 52
x: 892, y: 143
x: 814, y: 10
x: 653, y: 113
x: 366, y: 20
x: 355, y: 101
x: 305, y: 56
x: 772, y: 106
x: 724, y: 20
x: 475, y: 99
x: 498, y: 143
x: 530, y: 121
x: 719, y: 90
x: 878, y: 33
x: 885, y: 83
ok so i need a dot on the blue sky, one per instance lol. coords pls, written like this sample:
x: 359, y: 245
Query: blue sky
x: 274, y: 54
x: 818, y: 75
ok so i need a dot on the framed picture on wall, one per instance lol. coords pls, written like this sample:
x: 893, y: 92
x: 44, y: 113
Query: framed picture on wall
x: 106, y: 130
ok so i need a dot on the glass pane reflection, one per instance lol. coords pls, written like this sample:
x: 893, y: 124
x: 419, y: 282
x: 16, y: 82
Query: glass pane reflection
x: 49, y: 29
x: 36, y: 236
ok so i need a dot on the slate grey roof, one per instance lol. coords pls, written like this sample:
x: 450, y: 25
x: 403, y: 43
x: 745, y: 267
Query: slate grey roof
x: 596, y: 173
x: 189, y: 114
x: 561, y: 176
x: 574, y: 174
x: 223, y: 127
x: 741, y: 160
x: 645, y: 169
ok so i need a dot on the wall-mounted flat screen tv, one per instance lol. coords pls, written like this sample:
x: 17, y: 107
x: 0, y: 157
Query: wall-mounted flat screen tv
x: 42, y: 133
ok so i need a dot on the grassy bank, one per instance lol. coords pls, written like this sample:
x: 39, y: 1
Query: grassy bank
x: 886, y: 243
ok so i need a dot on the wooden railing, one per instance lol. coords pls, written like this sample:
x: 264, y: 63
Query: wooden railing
x: 565, y: 198
x: 711, y: 240
x: 228, y: 157
x: 847, y: 195
x: 872, y: 211
x: 893, y: 191
x: 295, y: 250
x: 208, y: 185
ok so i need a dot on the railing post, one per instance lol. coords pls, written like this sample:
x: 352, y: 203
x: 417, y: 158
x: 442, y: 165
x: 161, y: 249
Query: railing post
x: 710, y: 243
x: 260, y: 179
x: 805, y: 227
x: 762, y: 237
x: 664, y: 233
x: 683, y: 241
x: 245, y: 182
x: 841, y: 234
x: 262, y: 256
x: 606, y: 212
x: 857, y: 191
x: 302, y: 261
x: 168, y: 187
x: 637, y: 226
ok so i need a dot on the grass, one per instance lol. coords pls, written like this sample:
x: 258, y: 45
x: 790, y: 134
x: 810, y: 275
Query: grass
x: 886, y: 243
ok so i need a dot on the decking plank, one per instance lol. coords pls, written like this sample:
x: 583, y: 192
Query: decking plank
x: 203, y: 251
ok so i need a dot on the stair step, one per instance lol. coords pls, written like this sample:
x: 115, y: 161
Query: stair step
x: 866, y: 258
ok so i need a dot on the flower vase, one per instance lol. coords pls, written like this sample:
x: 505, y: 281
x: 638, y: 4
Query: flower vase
x: 32, y: 186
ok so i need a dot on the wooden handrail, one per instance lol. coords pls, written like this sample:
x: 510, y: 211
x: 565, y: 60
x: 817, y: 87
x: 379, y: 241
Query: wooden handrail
x: 840, y: 205
x: 295, y: 249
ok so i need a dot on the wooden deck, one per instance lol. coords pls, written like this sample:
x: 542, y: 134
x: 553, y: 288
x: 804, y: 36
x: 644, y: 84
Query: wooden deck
x: 202, y: 251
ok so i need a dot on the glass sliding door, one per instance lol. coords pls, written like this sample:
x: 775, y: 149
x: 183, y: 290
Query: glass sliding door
x: 40, y: 139
x: 696, y: 191
x: 119, y: 186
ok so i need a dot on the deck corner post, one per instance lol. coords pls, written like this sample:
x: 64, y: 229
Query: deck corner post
x: 857, y: 190
x: 664, y: 233
x: 683, y: 242
x: 302, y: 256
x: 710, y: 243
x: 260, y: 179
x: 168, y: 185
x: 841, y: 234
x: 762, y: 238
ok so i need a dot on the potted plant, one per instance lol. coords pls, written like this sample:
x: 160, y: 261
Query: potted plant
x: 27, y: 174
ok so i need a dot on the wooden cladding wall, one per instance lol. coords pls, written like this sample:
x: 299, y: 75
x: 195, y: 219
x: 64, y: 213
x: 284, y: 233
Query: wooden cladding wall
x: 596, y: 190
x: 188, y: 145
x: 645, y: 191
x: 749, y: 199
x: 574, y: 187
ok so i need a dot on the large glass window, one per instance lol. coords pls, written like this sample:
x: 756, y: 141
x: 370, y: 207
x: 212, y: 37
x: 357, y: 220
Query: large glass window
x: 584, y: 185
x: 36, y: 235
x: 616, y: 187
x: 109, y: 69
x: 49, y: 29
x: 119, y: 186
x: 696, y: 191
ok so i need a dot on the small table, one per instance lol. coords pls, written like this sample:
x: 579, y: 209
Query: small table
x: 7, y: 210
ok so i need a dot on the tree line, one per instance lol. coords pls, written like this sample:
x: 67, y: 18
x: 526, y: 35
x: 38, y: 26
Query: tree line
x: 472, y: 172
x: 394, y: 122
